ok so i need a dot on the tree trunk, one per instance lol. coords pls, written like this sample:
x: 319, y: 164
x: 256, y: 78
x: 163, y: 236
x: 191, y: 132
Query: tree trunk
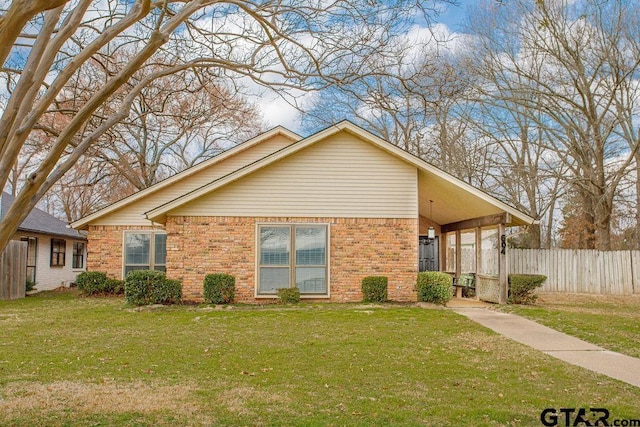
x: 637, y: 236
x: 535, y: 236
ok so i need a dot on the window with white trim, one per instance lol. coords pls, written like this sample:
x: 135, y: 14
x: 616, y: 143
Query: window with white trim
x: 78, y: 255
x: 32, y: 250
x: 144, y: 250
x: 58, y: 252
x: 292, y: 255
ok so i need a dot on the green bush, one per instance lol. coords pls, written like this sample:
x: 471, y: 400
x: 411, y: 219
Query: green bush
x: 142, y: 287
x: 288, y: 295
x: 92, y: 282
x: 29, y: 285
x: 168, y: 291
x: 114, y: 286
x: 219, y: 288
x: 374, y: 289
x: 523, y: 286
x: 435, y: 287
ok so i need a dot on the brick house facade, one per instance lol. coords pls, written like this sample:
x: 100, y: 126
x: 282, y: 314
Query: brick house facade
x: 320, y: 213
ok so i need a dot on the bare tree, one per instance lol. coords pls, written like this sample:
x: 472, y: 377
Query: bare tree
x: 175, y: 122
x: 279, y: 44
x: 421, y: 105
x: 555, y: 58
x: 87, y: 186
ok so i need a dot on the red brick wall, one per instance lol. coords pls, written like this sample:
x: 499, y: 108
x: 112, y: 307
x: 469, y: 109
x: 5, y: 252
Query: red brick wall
x: 359, y: 247
x: 104, y: 249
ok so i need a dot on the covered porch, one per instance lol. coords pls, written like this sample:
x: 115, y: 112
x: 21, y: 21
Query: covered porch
x: 462, y: 231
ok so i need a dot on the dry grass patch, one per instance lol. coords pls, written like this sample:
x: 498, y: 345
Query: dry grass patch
x: 106, y: 397
x: 238, y: 400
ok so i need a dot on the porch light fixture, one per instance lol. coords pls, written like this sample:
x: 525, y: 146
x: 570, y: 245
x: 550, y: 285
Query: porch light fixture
x: 431, y: 232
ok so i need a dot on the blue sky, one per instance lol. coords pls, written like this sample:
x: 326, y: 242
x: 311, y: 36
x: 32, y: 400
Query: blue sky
x: 277, y: 112
x: 453, y: 16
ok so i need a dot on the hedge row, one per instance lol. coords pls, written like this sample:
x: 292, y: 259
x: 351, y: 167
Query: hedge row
x: 143, y: 287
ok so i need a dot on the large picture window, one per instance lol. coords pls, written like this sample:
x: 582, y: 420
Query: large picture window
x: 58, y: 251
x: 292, y: 255
x: 145, y: 250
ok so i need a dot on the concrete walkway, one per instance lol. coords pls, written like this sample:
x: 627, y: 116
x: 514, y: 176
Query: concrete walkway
x: 557, y: 344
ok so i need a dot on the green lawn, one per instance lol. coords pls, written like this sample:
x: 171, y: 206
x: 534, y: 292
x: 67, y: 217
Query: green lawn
x: 66, y: 360
x: 612, y: 322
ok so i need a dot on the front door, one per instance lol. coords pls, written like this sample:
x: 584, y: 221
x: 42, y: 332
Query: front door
x: 427, y: 254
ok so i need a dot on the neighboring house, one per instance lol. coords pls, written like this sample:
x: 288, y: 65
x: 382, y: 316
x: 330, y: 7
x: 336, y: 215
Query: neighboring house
x: 56, y: 253
x: 320, y: 213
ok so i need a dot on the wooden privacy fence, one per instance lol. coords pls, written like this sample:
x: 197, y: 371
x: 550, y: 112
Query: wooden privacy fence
x: 580, y: 270
x: 13, y: 270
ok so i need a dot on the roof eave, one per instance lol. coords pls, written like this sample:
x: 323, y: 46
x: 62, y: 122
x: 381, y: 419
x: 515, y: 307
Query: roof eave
x: 83, y: 223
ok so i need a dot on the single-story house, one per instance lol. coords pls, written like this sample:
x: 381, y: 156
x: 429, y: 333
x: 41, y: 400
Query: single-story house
x: 320, y: 213
x: 56, y: 253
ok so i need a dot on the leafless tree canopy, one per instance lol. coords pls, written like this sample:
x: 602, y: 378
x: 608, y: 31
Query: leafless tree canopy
x: 539, y: 102
x: 75, y: 69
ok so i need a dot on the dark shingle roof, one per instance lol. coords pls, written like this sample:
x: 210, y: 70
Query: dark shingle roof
x: 39, y: 221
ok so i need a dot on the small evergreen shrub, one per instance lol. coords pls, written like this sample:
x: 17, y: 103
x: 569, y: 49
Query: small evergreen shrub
x: 219, y: 288
x: 114, y: 286
x: 143, y: 287
x: 288, y: 295
x: 29, y: 285
x: 435, y: 287
x: 92, y: 282
x: 374, y: 288
x: 169, y: 291
x: 522, y: 287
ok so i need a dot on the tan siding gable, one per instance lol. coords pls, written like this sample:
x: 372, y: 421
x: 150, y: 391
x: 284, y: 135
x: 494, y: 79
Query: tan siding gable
x: 341, y: 176
x: 132, y: 214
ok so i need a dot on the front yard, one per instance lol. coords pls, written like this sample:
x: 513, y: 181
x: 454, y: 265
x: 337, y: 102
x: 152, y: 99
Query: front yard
x: 612, y: 322
x: 66, y: 360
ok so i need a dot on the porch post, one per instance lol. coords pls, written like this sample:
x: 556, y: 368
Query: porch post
x: 502, y: 264
x: 478, y: 255
x: 458, y: 262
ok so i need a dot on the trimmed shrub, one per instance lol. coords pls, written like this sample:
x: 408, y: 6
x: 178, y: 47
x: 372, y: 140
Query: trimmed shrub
x: 92, y: 282
x: 169, y: 291
x: 219, y: 288
x: 374, y: 288
x: 435, y: 287
x: 522, y: 287
x: 288, y: 295
x: 114, y: 286
x: 142, y: 287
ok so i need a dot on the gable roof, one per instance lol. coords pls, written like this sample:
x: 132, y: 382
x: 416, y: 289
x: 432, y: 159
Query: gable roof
x: 38, y: 221
x: 278, y: 130
x: 517, y: 218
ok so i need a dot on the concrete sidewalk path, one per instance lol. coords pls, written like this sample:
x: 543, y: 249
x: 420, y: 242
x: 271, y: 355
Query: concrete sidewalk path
x: 556, y: 344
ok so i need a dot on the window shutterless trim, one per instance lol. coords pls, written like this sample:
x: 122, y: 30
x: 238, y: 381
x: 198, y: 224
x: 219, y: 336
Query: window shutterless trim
x: 152, y: 250
x: 75, y: 256
x: 32, y: 249
x: 61, y: 246
x: 292, y: 258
